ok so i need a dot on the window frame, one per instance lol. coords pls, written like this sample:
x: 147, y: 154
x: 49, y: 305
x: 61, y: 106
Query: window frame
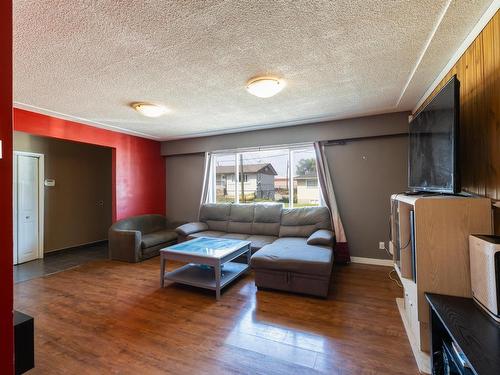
x: 292, y: 149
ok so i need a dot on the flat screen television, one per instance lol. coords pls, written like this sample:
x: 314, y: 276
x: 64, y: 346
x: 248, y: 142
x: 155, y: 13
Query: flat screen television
x: 433, y: 144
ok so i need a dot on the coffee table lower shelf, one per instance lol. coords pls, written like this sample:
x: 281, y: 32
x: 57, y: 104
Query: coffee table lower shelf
x: 193, y: 275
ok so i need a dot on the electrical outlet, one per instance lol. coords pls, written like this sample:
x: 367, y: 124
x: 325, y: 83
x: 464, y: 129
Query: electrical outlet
x: 381, y: 245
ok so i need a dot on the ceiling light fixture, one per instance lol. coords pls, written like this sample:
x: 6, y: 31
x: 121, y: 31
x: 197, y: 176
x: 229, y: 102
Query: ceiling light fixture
x: 150, y: 109
x: 265, y: 87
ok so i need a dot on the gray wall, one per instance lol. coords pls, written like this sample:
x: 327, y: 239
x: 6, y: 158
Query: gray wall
x: 364, y: 172
x: 351, y: 128
x: 73, y: 215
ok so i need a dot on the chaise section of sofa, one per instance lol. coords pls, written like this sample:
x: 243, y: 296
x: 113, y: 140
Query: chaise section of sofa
x: 292, y: 248
x: 301, y: 259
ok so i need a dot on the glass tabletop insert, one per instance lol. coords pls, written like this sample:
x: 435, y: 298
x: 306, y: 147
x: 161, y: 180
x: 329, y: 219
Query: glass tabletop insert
x: 208, y: 246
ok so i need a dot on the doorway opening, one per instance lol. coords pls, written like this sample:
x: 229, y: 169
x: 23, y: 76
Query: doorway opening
x: 62, y: 204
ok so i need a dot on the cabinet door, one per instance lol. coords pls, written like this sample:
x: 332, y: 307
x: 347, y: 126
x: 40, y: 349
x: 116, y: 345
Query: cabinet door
x: 442, y: 229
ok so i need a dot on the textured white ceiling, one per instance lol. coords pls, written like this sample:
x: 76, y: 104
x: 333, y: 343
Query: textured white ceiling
x: 90, y: 59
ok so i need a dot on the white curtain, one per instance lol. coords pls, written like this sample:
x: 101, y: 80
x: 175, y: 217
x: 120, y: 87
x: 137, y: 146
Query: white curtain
x: 327, y: 193
x: 207, y: 192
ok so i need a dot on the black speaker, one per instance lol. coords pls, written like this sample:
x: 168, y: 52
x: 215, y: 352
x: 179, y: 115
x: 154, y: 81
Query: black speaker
x: 24, y: 342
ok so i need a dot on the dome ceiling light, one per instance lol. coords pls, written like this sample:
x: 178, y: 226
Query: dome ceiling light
x: 265, y: 87
x: 150, y: 109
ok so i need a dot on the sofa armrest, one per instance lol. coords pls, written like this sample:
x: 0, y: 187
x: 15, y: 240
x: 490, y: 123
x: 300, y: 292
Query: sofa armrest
x: 124, y: 245
x: 190, y: 228
x: 321, y: 237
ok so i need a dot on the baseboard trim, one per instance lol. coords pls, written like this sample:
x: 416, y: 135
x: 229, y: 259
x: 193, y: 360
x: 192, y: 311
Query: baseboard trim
x: 93, y: 243
x: 374, y: 261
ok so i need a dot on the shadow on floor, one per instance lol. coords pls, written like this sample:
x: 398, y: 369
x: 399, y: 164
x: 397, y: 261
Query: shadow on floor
x: 59, y: 261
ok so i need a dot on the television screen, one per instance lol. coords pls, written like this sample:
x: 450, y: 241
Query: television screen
x: 433, y: 148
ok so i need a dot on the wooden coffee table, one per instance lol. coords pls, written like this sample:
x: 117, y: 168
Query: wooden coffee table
x: 210, y: 262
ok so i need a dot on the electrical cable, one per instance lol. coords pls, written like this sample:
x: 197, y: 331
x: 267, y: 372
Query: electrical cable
x: 398, y: 248
x: 387, y: 251
x: 394, y: 279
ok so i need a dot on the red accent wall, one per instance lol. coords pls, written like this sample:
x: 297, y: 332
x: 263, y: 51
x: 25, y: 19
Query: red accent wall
x: 6, y: 287
x: 138, y: 168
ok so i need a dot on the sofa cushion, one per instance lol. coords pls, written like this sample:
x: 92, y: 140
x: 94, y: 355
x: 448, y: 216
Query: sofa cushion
x: 150, y: 252
x: 158, y: 237
x: 216, y: 216
x: 154, y: 223
x: 143, y: 223
x: 266, y: 229
x: 206, y: 233
x: 267, y: 212
x: 296, y: 230
x: 267, y: 219
x: 241, y: 212
x: 294, y: 255
x: 241, y: 218
x: 260, y: 241
x: 238, y: 227
x: 214, y: 211
x: 302, y: 222
x: 321, y: 237
x: 217, y: 225
x: 190, y: 228
x: 235, y: 236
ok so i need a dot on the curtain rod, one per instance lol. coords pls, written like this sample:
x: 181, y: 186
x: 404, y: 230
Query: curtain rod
x: 248, y: 149
x: 264, y: 148
x: 331, y: 142
x: 337, y: 142
x: 186, y: 154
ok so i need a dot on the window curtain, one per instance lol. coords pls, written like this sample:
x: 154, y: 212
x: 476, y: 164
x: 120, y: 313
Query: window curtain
x: 207, y: 192
x: 328, y: 197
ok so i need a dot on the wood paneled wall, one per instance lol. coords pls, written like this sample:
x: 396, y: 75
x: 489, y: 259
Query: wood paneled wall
x: 478, y: 71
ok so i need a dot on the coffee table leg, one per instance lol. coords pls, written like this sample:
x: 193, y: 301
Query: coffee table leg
x: 162, y: 271
x: 217, y: 281
x: 249, y: 255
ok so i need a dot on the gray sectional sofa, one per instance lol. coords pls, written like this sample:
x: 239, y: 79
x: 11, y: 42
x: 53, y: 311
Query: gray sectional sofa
x: 292, y: 248
x: 140, y: 237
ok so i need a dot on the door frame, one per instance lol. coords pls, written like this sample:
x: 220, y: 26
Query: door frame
x: 41, y: 201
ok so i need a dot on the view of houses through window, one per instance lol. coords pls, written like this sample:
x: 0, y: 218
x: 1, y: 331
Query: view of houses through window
x: 284, y: 175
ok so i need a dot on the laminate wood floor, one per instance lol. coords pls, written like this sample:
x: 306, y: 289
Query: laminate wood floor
x: 109, y: 317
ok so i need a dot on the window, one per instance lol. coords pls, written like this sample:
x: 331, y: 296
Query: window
x: 312, y: 182
x: 285, y: 175
x: 245, y: 177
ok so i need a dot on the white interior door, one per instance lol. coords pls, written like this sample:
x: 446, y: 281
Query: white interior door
x: 27, y: 207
